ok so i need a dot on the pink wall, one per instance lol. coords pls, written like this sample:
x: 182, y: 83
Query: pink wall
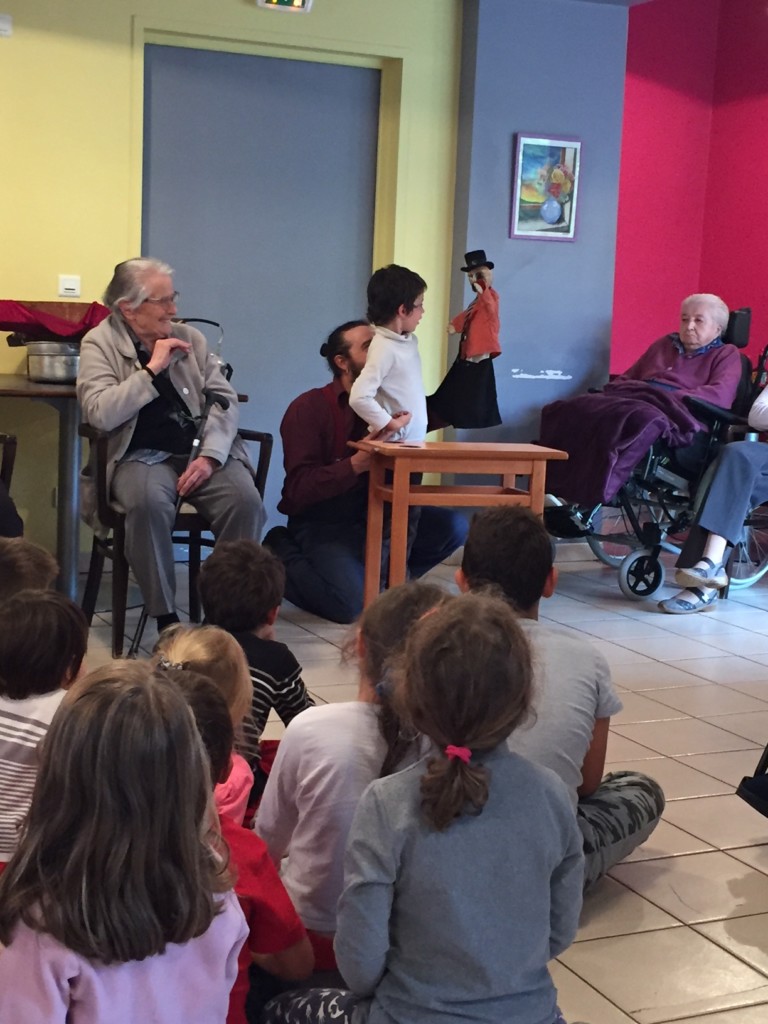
x: 669, y: 89
x: 735, y: 245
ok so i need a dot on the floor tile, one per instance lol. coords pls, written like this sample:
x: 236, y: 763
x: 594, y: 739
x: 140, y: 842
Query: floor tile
x: 616, y: 654
x: 683, y: 974
x: 682, y: 736
x: 755, y: 856
x: 621, y: 628
x: 610, y: 909
x: 641, y: 708
x: 621, y: 749
x: 746, y: 643
x: 673, y: 648
x: 745, y: 937
x: 730, y: 767
x: 678, y: 781
x: 667, y: 841
x: 698, y: 887
x: 753, y: 726
x: 723, y: 821
x: 580, y: 1002
x: 745, y: 1015
x: 723, y: 670
x: 701, y: 701
x: 653, y: 676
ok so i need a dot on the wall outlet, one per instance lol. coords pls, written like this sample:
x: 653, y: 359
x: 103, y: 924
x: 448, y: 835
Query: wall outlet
x: 69, y: 286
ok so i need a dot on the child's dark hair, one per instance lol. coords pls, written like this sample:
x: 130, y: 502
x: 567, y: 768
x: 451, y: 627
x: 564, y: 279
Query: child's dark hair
x: 24, y: 566
x: 508, y: 548
x: 337, y: 344
x: 240, y: 584
x: 43, y: 640
x: 114, y: 861
x: 466, y: 681
x: 211, y: 718
x: 383, y: 628
x: 390, y: 288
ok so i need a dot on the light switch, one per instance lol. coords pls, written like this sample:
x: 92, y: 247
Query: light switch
x: 69, y: 286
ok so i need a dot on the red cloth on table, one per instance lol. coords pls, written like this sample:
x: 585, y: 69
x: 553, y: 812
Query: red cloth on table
x: 38, y: 326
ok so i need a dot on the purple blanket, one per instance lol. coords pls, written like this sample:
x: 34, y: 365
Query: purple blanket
x: 607, y: 434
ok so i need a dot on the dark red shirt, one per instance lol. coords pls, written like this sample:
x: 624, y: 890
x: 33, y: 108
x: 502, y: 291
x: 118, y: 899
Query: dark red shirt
x: 320, y: 483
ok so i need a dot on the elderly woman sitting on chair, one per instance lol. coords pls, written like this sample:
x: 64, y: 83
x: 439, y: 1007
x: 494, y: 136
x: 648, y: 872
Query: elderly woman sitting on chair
x: 606, y: 434
x: 143, y: 377
x: 739, y: 483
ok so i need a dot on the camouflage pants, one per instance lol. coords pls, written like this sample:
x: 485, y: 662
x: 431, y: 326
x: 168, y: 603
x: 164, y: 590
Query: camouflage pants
x: 616, y: 819
x: 324, y: 1006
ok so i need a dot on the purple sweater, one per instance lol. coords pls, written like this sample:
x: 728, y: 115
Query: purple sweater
x: 713, y: 376
x: 43, y: 982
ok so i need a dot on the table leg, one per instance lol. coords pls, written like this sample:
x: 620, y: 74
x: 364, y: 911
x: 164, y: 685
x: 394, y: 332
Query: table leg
x: 536, y: 487
x: 398, y: 545
x: 68, y: 514
x: 374, y: 531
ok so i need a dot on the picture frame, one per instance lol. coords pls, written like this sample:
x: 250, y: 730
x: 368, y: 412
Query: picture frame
x: 545, y: 187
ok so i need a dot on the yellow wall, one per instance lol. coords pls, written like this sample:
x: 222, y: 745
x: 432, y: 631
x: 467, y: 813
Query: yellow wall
x: 71, y: 102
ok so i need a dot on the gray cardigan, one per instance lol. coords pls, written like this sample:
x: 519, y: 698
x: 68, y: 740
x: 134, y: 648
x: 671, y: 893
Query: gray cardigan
x: 112, y: 389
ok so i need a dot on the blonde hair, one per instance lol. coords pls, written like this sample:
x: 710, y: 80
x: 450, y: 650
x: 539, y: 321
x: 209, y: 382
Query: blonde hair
x: 213, y: 653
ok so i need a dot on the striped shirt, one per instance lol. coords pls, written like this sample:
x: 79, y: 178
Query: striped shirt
x: 277, y: 683
x: 23, y: 723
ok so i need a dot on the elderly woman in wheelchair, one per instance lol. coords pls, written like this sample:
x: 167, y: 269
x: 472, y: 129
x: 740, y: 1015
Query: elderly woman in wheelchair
x: 728, y: 517
x: 638, y: 448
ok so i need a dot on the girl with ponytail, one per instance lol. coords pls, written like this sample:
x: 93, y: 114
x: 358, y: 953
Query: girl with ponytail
x: 464, y: 872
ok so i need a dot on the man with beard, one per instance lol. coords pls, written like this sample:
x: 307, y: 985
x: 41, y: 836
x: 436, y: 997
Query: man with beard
x: 325, y: 494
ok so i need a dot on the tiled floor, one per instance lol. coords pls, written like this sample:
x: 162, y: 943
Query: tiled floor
x: 680, y: 930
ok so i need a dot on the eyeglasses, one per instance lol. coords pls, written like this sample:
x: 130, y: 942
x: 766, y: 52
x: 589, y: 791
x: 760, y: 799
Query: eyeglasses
x: 165, y: 300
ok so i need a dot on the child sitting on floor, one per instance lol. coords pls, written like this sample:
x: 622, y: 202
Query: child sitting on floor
x: 43, y: 640
x: 241, y: 587
x: 277, y: 941
x: 216, y: 655
x: 24, y: 566
x: 463, y: 873
x: 115, y: 906
x: 326, y: 759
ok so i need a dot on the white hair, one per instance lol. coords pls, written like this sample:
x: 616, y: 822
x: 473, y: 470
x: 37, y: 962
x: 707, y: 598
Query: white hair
x: 717, y: 308
x: 127, y: 284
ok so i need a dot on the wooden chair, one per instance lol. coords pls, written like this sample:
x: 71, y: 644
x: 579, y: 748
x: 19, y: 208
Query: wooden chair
x: 188, y: 529
x: 8, y: 445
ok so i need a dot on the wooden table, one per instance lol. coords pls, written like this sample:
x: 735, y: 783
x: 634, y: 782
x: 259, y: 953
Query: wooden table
x: 64, y: 400
x: 507, y: 461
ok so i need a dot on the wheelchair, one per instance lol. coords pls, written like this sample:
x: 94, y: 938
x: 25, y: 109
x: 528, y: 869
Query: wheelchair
x: 652, y: 512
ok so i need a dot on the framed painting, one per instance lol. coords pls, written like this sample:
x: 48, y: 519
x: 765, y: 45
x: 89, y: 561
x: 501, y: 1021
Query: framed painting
x: 545, y: 188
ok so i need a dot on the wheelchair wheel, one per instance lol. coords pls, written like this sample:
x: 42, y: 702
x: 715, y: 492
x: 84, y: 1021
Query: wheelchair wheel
x: 640, y: 574
x: 750, y: 562
x: 612, y: 537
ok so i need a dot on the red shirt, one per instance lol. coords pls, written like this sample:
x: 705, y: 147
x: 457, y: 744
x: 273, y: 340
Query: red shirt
x: 273, y: 924
x: 320, y: 483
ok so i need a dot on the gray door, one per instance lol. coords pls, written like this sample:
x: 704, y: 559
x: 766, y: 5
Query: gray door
x: 259, y: 180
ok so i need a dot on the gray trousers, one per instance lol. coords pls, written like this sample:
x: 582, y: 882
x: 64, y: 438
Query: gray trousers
x: 617, y: 818
x: 229, y: 501
x: 740, y: 483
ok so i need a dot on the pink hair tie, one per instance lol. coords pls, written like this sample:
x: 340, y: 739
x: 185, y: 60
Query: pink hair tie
x: 462, y: 753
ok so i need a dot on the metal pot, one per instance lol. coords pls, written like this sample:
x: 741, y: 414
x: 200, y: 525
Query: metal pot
x: 53, y: 362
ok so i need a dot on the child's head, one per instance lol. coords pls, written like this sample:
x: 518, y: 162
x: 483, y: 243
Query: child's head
x: 382, y: 631
x: 114, y: 860
x: 384, y: 625
x: 509, y: 548
x: 390, y: 288
x: 43, y: 640
x: 466, y: 683
x: 241, y: 586
x: 213, y: 653
x: 24, y: 566
x: 211, y: 718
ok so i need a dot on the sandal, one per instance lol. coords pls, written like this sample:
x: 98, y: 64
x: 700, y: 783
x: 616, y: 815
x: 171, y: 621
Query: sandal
x: 714, y: 576
x: 681, y: 606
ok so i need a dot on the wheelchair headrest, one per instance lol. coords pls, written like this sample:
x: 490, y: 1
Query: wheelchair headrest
x: 737, y: 331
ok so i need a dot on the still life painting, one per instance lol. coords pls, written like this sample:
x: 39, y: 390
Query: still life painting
x: 545, y: 188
